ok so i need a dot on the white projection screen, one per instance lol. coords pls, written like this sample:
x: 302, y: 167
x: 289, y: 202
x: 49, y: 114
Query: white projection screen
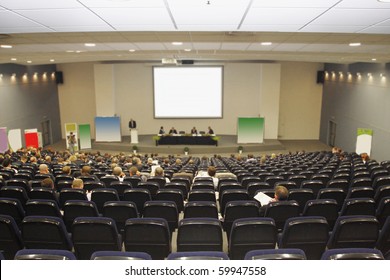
x: 188, y: 92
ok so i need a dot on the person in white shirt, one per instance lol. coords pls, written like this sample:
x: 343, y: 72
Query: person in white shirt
x: 210, y: 173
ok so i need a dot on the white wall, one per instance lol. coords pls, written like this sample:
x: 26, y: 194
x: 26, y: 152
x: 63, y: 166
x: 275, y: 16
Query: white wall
x: 77, y: 95
x: 300, y: 101
x: 250, y: 89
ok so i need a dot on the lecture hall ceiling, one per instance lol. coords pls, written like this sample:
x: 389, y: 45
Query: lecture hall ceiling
x: 47, y: 31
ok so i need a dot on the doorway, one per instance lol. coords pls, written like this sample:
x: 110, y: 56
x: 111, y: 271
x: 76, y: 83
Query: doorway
x: 332, y: 133
x: 46, y: 133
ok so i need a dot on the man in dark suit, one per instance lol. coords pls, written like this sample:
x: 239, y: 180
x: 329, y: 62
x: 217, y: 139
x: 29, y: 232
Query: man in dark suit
x: 132, y: 124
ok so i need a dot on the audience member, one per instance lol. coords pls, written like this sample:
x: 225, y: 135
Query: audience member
x: 194, y: 131
x: 79, y: 184
x: 280, y: 194
x: 210, y: 130
x: 159, y: 172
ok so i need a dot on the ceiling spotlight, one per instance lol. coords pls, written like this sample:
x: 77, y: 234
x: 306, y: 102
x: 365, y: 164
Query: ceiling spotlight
x: 358, y: 74
x: 373, y: 59
x: 29, y: 61
x: 355, y: 44
x: 187, y: 50
x: 90, y: 44
x: 384, y: 1
x: 382, y: 75
x: 266, y: 43
x: 6, y: 46
x: 177, y: 43
x: 52, y: 60
x: 13, y: 59
x: 132, y: 50
x: 369, y: 75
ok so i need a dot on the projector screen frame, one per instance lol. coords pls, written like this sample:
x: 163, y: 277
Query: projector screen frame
x: 221, y: 67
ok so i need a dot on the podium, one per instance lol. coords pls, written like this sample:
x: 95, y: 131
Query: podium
x: 133, y: 136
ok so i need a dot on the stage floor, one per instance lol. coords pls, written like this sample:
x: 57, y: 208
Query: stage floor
x: 226, y: 145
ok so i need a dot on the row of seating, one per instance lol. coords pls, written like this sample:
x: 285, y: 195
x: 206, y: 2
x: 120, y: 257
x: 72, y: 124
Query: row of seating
x: 169, y: 203
x: 153, y: 235
x: 265, y: 254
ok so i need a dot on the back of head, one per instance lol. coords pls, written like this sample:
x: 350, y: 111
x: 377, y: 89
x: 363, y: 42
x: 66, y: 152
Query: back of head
x: 86, y: 170
x: 281, y: 193
x: 47, y: 183
x: 117, y: 171
x: 133, y: 170
x: 211, y: 171
x: 43, y: 168
x: 77, y: 184
x: 159, y: 172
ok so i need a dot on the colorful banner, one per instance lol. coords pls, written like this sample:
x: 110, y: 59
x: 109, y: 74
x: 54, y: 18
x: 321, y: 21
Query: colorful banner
x: 15, y: 139
x: 364, y: 140
x: 85, y: 136
x: 250, y: 130
x: 108, y: 129
x: 31, y: 139
x: 71, y: 127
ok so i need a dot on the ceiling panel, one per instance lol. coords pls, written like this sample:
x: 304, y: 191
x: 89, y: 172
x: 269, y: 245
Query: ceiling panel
x: 39, y: 4
x: 123, y: 4
x: 11, y: 20
x: 280, y: 16
x: 134, y: 16
x: 363, y: 4
x: 295, y: 3
x: 306, y: 30
x: 63, y: 17
x: 351, y: 17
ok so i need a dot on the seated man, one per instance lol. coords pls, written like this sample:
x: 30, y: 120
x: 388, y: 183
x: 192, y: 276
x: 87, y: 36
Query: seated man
x: 211, y: 171
x: 210, y: 131
x: 161, y: 131
x: 281, y: 194
x: 173, y: 130
x: 194, y: 131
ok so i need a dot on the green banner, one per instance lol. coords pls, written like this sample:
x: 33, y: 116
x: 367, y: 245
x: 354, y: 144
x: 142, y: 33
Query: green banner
x: 362, y: 131
x: 85, y: 136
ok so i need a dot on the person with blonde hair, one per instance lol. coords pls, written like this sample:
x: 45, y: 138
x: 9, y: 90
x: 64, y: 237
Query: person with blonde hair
x: 79, y: 184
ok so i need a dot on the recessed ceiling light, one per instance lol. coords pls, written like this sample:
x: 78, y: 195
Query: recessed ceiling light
x: 69, y: 51
x: 187, y: 50
x: 266, y: 43
x: 373, y: 59
x: 355, y: 44
x: 132, y: 50
x: 90, y: 44
x: 29, y: 61
x: 14, y: 59
x: 177, y: 43
x: 6, y: 46
x: 52, y: 60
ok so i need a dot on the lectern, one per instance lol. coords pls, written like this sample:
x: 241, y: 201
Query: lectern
x: 134, y: 136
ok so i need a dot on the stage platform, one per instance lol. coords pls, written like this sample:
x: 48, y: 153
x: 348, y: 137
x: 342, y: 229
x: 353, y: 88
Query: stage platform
x: 226, y: 144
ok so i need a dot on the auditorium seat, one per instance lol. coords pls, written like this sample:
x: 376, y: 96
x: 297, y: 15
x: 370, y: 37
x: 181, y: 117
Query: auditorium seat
x: 15, y: 182
x: 43, y: 193
x: 358, y: 206
x: 78, y: 208
x: 139, y: 196
x: 251, y: 234
x: 71, y: 194
x: 90, y: 234
x: 352, y: 254
x: 91, y: 185
x: 120, y: 211
x: 337, y: 194
x: 42, y: 207
x: 198, y: 255
x: 199, y: 234
x: 232, y: 195
x: 326, y: 208
x: 308, y: 233
x: 202, y: 195
x: 44, y: 254
x: 102, y: 195
x: 120, y: 187
x: 18, y: 193
x: 45, y: 232
x: 10, y: 237
x: 354, y: 232
x: 12, y: 207
x: 276, y: 254
x: 200, y: 209
x: 123, y: 256
x: 301, y: 196
x: 383, y: 210
x: 149, y: 235
x: 174, y: 195
x: 162, y: 209
x: 280, y: 211
x: 239, y: 209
